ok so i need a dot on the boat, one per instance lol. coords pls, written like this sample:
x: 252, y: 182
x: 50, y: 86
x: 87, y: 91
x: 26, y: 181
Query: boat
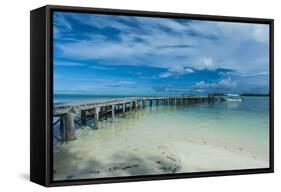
x: 231, y: 97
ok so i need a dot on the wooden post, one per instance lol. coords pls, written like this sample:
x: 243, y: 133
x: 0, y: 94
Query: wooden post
x: 97, y: 110
x: 112, y: 111
x: 144, y: 103
x: 62, y: 128
x: 151, y: 103
x: 124, y: 107
x: 136, y: 105
x: 83, y: 118
x: 70, y: 127
x: 140, y: 104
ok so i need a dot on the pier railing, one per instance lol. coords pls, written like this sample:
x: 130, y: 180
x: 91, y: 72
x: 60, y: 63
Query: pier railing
x: 66, y: 113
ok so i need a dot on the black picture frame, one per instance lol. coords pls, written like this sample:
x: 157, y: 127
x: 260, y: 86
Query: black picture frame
x: 41, y: 94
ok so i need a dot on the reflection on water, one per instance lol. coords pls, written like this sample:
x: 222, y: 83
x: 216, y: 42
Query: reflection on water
x: 232, y: 105
x: 170, y: 139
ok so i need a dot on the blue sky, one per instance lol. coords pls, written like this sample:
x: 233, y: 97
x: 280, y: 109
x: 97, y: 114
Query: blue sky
x: 121, y: 55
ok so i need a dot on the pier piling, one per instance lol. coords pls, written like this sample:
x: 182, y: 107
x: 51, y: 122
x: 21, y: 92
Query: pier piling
x: 96, y: 120
x: 112, y: 111
x: 83, y: 118
x: 70, y: 127
x: 123, y: 108
x: 62, y: 128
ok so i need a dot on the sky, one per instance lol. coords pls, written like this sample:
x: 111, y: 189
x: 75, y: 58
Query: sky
x: 124, y: 55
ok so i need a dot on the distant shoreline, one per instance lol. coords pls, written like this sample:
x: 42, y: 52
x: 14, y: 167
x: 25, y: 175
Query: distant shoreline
x: 255, y: 94
x: 187, y: 95
x: 59, y: 98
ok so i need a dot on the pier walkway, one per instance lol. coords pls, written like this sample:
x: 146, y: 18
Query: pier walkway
x: 67, y: 113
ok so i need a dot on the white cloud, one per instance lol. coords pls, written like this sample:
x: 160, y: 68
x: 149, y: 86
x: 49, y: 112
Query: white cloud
x: 101, y: 68
x: 61, y: 24
x: 188, y: 70
x: 213, y: 44
x: 262, y: 73
x: 176, y: 71
x: 121, y: 84
x: 68, y: 63
x: 244, y: 31
x: 221, y: 84
x: 207, y: 63
x: 166, y: 74
x: 261, y: 33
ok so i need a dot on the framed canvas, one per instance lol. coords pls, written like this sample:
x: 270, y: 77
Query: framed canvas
x: 123, y: 95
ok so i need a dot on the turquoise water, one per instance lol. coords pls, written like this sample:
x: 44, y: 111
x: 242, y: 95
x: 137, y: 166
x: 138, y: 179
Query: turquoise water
x: 60, y: 98
x: 170, y: 139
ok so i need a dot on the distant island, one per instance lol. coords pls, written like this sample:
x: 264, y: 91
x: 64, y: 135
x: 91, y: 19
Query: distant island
x: 255, y: 94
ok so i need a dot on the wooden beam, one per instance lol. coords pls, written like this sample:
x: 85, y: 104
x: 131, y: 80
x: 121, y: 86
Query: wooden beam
x: 56, y: 122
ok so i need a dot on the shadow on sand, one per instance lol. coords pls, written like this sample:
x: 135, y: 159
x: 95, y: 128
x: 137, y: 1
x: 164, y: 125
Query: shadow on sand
x: 121, y: 164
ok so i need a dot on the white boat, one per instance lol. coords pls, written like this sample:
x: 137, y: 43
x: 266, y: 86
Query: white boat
x: 231, y: 97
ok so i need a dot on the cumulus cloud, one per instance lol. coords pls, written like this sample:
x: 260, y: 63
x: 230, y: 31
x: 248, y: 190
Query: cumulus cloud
x: 221, y: 84
x: 160, y: 42
x: 174, y: 47
x: 176, y: 71
x: 207, y: 63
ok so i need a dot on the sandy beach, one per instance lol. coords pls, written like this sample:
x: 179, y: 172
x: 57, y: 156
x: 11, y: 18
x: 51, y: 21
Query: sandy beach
x: 123, y: 159
x: 140, y: 145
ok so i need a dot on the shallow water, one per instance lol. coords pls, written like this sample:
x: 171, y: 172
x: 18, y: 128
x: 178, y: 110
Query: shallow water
x: 171, y: 139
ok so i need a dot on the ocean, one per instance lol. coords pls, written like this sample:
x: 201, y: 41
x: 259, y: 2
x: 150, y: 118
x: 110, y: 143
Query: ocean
x: 167, y: 139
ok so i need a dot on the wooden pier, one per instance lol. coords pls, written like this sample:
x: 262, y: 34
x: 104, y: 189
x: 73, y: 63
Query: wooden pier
x: 97, y: 110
